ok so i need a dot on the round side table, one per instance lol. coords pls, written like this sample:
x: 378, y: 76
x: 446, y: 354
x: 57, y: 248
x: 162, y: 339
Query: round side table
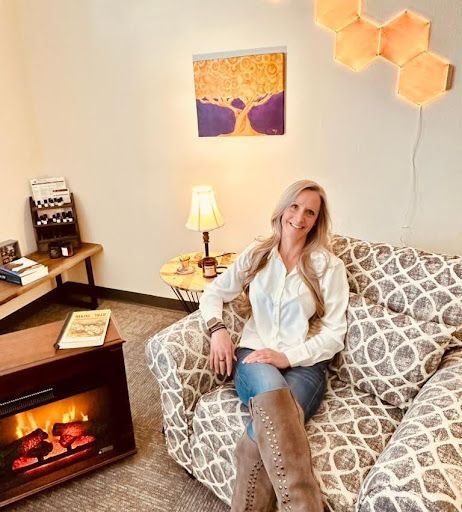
x: 188, y: 287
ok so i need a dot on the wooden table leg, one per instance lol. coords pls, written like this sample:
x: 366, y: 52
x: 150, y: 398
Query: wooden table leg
x: 91, y: 283
x: 59, y: 287
x: 65, y: 299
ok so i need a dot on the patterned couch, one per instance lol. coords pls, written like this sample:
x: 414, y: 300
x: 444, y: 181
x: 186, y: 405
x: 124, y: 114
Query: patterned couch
x: 388, y: 435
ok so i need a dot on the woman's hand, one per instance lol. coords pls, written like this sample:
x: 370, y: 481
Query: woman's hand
x: 221, y: 353
x: 268, y: 356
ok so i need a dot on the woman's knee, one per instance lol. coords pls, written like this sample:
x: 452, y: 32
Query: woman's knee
x: 256, y: 378
x: 270, y: 385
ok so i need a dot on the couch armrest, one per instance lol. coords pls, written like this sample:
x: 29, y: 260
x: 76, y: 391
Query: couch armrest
x: 178, y: 357
x: 421, y: 467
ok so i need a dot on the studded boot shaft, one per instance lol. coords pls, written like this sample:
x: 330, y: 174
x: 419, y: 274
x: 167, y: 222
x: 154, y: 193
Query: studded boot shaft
x: 278, y: 422
x: 253, y: 491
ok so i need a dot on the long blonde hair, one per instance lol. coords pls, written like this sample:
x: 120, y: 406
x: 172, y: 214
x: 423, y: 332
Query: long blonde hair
x: 318, y: 238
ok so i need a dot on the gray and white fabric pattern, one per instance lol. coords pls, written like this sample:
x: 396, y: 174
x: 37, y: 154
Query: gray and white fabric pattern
x: 422, y: 285
x: 388, y: 354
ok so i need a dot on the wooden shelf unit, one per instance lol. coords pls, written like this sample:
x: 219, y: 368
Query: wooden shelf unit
x: 54, y: 232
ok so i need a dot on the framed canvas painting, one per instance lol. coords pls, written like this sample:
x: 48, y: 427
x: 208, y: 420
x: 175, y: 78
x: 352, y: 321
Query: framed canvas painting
x: 240, y: 93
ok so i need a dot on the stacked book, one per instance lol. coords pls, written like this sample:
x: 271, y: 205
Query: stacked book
x: 22, y: 271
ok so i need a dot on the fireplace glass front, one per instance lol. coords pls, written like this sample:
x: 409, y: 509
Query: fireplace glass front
x: 61, y: 417
x: 43, y: 439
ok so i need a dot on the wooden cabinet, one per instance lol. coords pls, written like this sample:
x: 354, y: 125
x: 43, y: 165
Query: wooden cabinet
x: 55, y: 225
x: 37, y: 385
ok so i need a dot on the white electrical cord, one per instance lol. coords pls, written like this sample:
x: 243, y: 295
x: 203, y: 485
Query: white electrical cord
x: 410, y: 213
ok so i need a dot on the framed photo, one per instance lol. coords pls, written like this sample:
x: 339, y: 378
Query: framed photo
x: 240, y: 93
x: 9, y: 251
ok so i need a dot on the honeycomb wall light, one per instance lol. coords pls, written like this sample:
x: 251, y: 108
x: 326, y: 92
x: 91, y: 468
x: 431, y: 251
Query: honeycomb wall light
x: 404, y: 37
x: 403, y: 41
x: 357, y: 44
x: 424, y: 78
x: 335, y: 14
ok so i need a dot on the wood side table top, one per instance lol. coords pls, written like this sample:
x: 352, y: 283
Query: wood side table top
x: 194, y: 282
x: 35, y: 346
x: 56, y: 267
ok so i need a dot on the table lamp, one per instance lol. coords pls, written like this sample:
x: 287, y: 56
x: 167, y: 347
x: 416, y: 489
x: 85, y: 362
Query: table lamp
x: 204, y: 215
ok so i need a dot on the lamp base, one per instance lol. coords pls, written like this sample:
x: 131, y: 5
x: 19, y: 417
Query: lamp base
x: 205, y: 238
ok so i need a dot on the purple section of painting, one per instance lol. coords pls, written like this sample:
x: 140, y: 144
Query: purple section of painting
x: 213, y: 120
x: 269, y: 117
x: 266, y: 119
x: 238, y: 103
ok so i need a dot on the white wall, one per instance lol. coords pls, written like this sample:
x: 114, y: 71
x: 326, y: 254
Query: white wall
x: 113, y: 99
x: 20, y: 156
x: 19, y: 151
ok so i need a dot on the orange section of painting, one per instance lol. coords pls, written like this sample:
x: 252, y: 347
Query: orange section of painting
x: 423, y: 78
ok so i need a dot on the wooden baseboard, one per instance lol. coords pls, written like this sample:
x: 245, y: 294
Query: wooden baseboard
x: 125, y: 296
x: 8, y: 323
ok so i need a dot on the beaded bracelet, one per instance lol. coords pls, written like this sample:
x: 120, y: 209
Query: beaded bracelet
x: 217, y: 328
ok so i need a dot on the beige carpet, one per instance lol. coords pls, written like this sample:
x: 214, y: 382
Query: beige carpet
x: 149, y: 480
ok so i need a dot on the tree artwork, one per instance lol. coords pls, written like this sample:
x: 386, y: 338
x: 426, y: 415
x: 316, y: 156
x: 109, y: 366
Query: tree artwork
x: 240, y: 95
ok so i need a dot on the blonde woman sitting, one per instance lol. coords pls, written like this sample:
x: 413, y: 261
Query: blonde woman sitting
x: 297, y: 295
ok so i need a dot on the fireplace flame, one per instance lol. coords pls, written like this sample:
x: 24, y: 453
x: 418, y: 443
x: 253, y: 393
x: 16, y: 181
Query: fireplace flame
x: 27, y: 423
x: 69, y: 416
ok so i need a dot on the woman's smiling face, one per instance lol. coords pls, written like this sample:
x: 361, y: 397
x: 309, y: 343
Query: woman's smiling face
x: 301, y: 215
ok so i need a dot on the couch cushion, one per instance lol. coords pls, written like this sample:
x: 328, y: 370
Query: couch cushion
x: 389, y: 354
x: 347, y: 434
x: 421, y: 468
x: 423, y: 285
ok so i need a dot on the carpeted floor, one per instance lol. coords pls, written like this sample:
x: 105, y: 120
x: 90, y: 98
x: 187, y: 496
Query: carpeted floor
x: 149, y: 480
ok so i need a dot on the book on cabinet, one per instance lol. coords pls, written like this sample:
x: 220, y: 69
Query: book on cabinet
x: 84, y: 329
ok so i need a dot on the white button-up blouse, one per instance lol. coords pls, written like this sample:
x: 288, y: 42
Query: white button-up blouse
x: 282, y: 305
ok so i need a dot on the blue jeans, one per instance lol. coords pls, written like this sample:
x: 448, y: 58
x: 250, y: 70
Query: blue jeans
x: 307, y: 383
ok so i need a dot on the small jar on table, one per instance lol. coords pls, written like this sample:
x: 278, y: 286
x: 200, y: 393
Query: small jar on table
x: 188, y: 283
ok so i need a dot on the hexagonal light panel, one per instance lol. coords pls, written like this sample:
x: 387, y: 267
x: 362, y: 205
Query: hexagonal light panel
x: 424, y: 78
x: 335, y: 14
x: 403, y: 41
x: 404, y: 37
x: 357, y: 44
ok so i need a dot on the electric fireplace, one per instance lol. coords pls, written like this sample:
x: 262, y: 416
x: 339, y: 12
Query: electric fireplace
x: 61, y: 413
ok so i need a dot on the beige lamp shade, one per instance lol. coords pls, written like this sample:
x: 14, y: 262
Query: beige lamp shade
x: 204, y: 215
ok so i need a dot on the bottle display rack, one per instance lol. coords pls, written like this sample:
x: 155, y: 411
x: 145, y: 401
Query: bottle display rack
x: 55, y: 224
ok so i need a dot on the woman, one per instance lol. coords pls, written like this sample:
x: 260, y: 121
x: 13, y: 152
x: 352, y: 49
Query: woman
x: 297, y: 294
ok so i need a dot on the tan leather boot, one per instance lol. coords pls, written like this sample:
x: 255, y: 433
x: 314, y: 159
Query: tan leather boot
x: 278, y: 422
x: 253, y: 490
